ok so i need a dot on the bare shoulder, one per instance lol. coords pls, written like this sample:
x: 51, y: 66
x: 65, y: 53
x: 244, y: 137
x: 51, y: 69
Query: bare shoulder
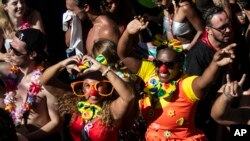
x: 108, y: 24
x: 186, y: 6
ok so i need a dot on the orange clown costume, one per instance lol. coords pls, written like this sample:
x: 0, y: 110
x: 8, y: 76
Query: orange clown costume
x: 168, y: 107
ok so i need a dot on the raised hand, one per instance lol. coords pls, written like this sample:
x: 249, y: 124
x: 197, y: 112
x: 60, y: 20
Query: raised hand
x: 136, y: 25
x: 71, y: 63
x: 95, y: 66
x: 225, y: 56
x: 234, y: 88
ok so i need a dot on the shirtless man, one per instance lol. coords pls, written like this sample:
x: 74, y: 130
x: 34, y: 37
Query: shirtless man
x: 101, y: 26
x: 32, y: 107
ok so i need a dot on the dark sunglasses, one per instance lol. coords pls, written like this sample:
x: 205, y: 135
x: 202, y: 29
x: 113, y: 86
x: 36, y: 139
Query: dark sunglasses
x: 16, y: 52
x: 159, y: 63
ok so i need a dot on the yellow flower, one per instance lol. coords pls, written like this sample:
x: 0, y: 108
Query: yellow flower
x: 167, y: 134
x: 171, y: 113
x: 180, y: 121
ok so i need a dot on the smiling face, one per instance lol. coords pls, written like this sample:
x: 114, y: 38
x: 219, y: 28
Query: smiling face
x: 91, y: 92
x: 15, y: 8
x: 167, y: 66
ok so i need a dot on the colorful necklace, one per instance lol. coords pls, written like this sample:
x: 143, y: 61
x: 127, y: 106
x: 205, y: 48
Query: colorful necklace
x: 89, y: 111
x: 21, y: 111
x: 158, y: 91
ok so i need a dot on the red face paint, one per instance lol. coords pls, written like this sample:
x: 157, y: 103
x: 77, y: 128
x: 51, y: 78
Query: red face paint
x: 163, y: 69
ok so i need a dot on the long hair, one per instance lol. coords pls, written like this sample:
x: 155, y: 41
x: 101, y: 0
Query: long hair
x: 5, y: 23
x: 108, y: 49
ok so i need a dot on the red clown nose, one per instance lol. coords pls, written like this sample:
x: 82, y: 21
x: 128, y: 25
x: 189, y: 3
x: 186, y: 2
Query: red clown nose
x: 163, y: 69
x: 93, y: 92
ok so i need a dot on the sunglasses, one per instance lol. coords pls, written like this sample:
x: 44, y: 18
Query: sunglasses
x: 159, y: 63
x: 16, y: 52
x: 223, y: 28
x: 104, y: 85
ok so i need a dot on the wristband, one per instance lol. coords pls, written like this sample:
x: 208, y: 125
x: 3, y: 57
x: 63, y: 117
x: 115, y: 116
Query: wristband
x: 106, y: 71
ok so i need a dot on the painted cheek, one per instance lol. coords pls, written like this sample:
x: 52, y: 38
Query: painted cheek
x: 163, y: 69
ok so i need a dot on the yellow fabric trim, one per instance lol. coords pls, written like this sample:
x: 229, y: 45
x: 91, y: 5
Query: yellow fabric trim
x: 147, y: 70
x: 187, y: 87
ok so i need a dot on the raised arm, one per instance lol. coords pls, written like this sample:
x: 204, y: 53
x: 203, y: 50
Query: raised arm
x: 120, y: 106
x: 196, y: 22
x: 55, y: 121
x: 53, y: 71
x: 125, y: 44
x: 222, y: 112
x: 221, y: 58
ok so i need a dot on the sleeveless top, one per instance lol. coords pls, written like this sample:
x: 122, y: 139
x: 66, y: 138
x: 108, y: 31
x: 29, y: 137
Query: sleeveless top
x: 179, y: 29
x: 170, y: 119
x: 95, y: 130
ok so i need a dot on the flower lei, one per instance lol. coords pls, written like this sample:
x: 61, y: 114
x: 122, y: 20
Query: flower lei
x: 89, y: 111
x: 25, y: 24
x: 19, y: 112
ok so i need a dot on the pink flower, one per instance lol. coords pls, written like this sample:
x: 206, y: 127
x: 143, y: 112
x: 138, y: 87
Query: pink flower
x: 25, y: 25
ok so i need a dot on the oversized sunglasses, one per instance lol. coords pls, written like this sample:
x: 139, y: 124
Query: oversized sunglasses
x: 159, y: 63
x: 78, y: 87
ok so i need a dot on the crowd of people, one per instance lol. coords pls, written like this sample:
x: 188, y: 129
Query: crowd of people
x: 146, y: 70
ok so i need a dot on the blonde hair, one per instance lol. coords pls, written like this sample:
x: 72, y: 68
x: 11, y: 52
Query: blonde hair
x: 5, y: 24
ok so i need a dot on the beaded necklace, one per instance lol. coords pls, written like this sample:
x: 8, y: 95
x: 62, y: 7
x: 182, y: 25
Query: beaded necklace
x: 21, y: 111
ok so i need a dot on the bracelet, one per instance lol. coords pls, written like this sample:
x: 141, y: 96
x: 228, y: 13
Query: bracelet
x: 230, y: 97
x: 106, y: 71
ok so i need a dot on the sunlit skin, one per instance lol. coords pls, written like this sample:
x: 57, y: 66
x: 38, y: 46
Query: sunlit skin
x: 166, y: 55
